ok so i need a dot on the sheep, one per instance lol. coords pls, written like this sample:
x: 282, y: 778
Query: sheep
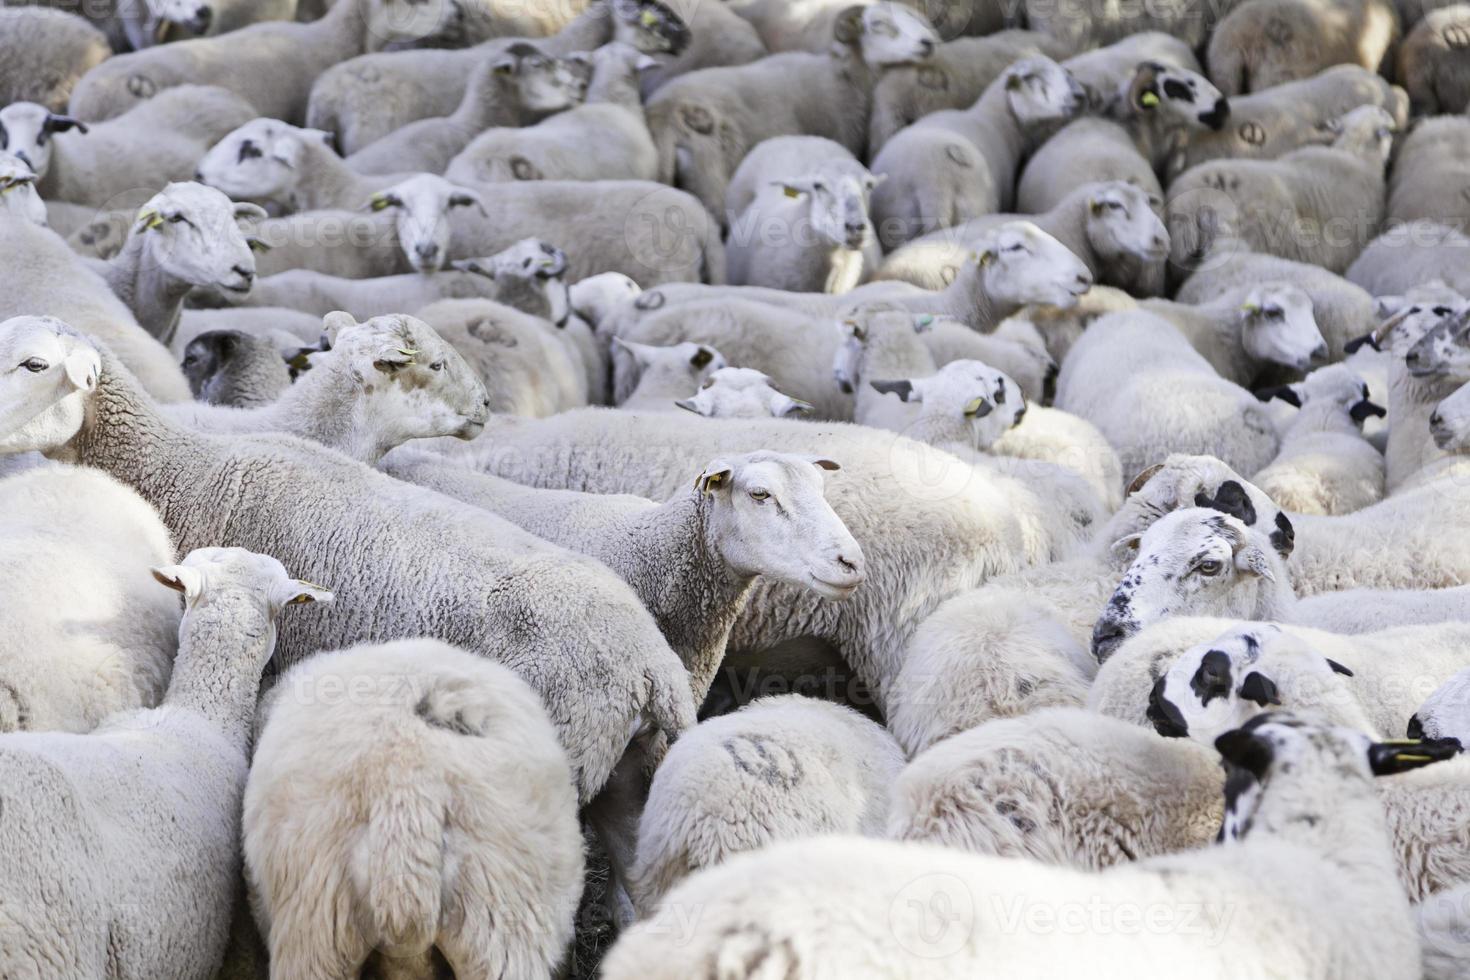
x: 186, y: 236
x: 1245, y: 334
x: 1442, y: 919
x: 1218, y: 419
x: 269, y: 65
x: 809, y: 27
x: 43, y: 274
x: 781, y: 768
x: 287, y: 169
x: 104, y: 637
x: 1060, y: 328
x: 1446, y: 712
x: 45, y: 53
x: 99, y: 163
x: 1429, y: 171
x: 882, y: 475
x: 365, y: 98
x: 611, y: 119
x: 596, y: 682
x: 288, y: 330
x: 666, y: 372
x: 1423, y: 371
x: 1092, y: 23
x: 1030, y: 787
x: 1265, y: 125
x: 704, y: 123
x: 521, y: 86
x: 1325, y: 466
x: 1105, y: 70
x: 955, y: 76
x: 18, y: 197
x: 101, y: 819
x: 956, y: 165
x: 1430, y: 62
x: 742, y: 393
x: 229, y: 367
x: 1263, y: 43
x: 1111, y: 226
x: 1412, y: 254
x: 1342, y: 310
x: 432, y: 807
x: 1012, y: 265
x: 808, y: 906
x: 1142, y: 118
x: 380, y: 384
x: 1320, y: 205
x: 1450, y: 422
x: 529, y: 366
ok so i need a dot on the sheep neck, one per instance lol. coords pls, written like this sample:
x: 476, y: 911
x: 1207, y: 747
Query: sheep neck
x: 487, y: 107
x: 993, y: 111
x: 224, y: 643
x: 326, y: 182
x: 1321, y: 416
x: 341, y: 33
x: 615, y: 83
x: 1219, y: 339
x: 1411, y: 401
x: 332, y: 405
x: 140, y: 281
x: 667, y: 556
x: 969, y: 299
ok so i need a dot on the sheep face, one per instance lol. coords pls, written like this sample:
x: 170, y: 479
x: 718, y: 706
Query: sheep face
x: 741, y: 393
x: 18, y: 195
x: 233, y: 575
x: 191, y: 233
x: 1446, y: 713
x: 650, y: 26
x: 1020, y: 264
x: 768, y: 516
x: 413, y: 384
x: 1196, y: 481
x: 1278, y: 327
x: 986, y: 401
x: 1039, y: 91
x: 682, y: 365
x: 193, y: 16
x: 47, y: 370
x: 536, y: 81
x: 404, y: 22
x: 1366, y: 132
x: 860, y: 326
x: 837, y: 205
x: 1336, y: 384
x: 421, y: 206
x: 26, y: 130
x: 530, y: 275
x: 1177, y: 96
x: 1450, y: 423
x: 1442, y: 352
x: 262, y: 161
x: 1193, y: 562
x: 1123, y: 220
x: 893, y: 34
x: 595, y: 297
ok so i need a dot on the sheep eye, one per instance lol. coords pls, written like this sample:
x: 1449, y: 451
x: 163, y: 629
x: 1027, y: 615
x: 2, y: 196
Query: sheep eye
x: 1000, y: 393
x: 1212, y: 567
x: 437, y: 366
x: 1273, y: 313
x: 1014, y: 248
x: 884, y: 28
x: 34, y: 365
x: 1413, y: 310
x: 179, y: 219
x: 1442, y: 311
x: 760, y: 496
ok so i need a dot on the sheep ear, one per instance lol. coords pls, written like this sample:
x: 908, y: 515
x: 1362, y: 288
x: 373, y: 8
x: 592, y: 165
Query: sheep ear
x: 716, y: 476
x: 393, y: 358
x: 474, y: 266
x: 462, y: 199
x: 849, y: 26
x: 1253, y: 560
x: 60, y: 124
x: 639, y: 352
x: 702, y: 357
x: 1125, y: 547
x: 504, y: 65
x: 1338, y: 668
x: 688, y: 405
x: 250, y: 212
x: 1284, y: 392
x: 295, y: 592
x: 82, y: 369
x: 1142, y: 478
x: 148, y: 220
x: 784, y: 407
x: 180, y: 578
x: 334, y: 323
x: 1259, y: 688
x: 903, y: 389
x: 823, y: 463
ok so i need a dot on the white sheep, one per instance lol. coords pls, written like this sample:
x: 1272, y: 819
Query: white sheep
x: 804, y: 226
x: 1410, y: 255
x: 99, y: 636
x: 1245, y: 333
x: 100, y: 825
x: 1259, y: 44
x: 809, y: 907
x: 1150, y: 393
x: 611, y: 119
x: 601, y: 684
x: 1430, y: 62
x: 704, y: 123
x: 1431, y: 164
x: 408, y: 804
x: 1446, y: 712
x: 100, y: 163
x: 1319, y: 204
x: 521, y: 86
x: 44, y: 274
x: 1111, y: 226
x: 1094, y: 22
x: 45, y: 52
x: 664, y: 373
x: 230, y: 367
x: 1444, y: 932
x: 18, y: 197
x: 1325, y: 466
x: 380, y: 384
x: 742, y: 393
x: 779, y: 769
x: 956, y: 165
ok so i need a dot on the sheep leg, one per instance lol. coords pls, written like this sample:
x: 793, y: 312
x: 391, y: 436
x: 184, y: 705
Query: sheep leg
x: 613, y: 815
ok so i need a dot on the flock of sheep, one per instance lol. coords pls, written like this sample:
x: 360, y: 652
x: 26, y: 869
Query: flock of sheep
x: 774, y: 488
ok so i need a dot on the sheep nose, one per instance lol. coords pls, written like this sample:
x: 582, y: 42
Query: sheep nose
x: 428, y: 252
x: 203, y: 17
x: 1319, y: 353
x: 23, y: 158
x: 247, y: 274
x: 1436, y: 421
x: 926, y: 47
x: 1107, y: 636
x: 1084, y: 279
x: 1412, y: 357
x: 1416, y: 727
x: 199, y: 176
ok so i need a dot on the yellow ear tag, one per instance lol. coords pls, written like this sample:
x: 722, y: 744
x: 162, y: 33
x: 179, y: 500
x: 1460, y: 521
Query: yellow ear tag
x: 1149, y: 100
x: 924, y: 321
x: 1250, y: 308
x: 974, y: 406
x: 379, y: 202
x: 712, y: 481
x: 649, y: 18
x: 791, y: 192
x: 986, y: 259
